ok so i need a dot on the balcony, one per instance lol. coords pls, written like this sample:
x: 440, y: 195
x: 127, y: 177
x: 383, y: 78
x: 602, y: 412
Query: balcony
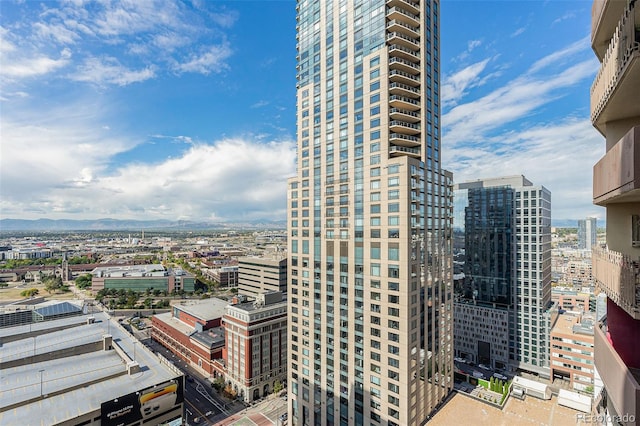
x: 605, y: 15
x: 399, y: 14
x: 614, y: 91
x: 616, y: 177
x: 619, y: 277
x: 402, y: 102
x: 403, y: 65
x: 406, y: 4
x: 399, y: 51
x: 404, y: 90
x: 404, y: 115
x: 402, y: 39
x: 403, y: 150
x: 620, y: 381
x: 405, y: 128
x: 397, y: 76
x: 403, y: 27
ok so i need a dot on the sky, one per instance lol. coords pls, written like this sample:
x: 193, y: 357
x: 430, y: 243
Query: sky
x: 185, y: 110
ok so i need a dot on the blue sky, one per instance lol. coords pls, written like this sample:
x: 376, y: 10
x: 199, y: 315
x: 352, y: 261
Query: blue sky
x: 186, y: 110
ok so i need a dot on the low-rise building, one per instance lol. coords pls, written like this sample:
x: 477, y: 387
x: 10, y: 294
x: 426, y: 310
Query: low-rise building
x: 85, y: 370
x: 572, y: 350
x: 142, y: 278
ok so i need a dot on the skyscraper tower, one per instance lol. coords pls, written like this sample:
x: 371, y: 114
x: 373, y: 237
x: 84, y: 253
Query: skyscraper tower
x: 503, y: 311
x: 369, y: 218
x: 615, y: 112
x: 587, y: 233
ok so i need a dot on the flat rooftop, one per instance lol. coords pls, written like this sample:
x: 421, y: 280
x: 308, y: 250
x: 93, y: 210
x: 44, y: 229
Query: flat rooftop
x: 205, y: 310
x: 463, y: 410
x: 55, y: 371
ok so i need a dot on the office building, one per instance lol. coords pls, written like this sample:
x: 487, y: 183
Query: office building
x: 369, y: 218
x: 587, y: 233
x: 264, y: 274
x: 85, y: 370
x: 615, y: 113
x: 256, y: 346
x: 141, y: 278
x: 502, y: 310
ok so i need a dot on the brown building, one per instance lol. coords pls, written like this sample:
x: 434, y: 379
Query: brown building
x: 256, y: 334
x: 615, y: 113
x: 572, y: 351
x: 192, y: 330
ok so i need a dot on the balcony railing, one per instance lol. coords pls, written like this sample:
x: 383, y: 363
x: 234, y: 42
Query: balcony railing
x: 623, y: 49
x: 622, y: 386
x: 617, y: 174
x: 618, y: 276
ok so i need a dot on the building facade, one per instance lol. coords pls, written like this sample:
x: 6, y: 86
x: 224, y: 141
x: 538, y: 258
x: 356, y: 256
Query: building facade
x: 507, y: 273
x: 256, y: 342
x: 262, y: 275
x: 141, y: 278
x: 615, y: 113
x: 587, y: 233
x: 369, y: 218
x: 572, y: 351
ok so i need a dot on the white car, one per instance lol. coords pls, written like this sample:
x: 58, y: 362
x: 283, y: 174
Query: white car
x: 499, y: 376
x: 462, y: 360
x: 484, y: 367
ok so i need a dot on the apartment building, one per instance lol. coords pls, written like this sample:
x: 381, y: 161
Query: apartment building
x: 615, y: 113
x: 507, y: 274
x: 572, y: 350
x: 369, y: 217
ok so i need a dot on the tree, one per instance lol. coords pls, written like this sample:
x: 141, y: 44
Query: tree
x: 53, y: 284
x: 29, y: 292
x: 84, y: 281
x: 277, y: 387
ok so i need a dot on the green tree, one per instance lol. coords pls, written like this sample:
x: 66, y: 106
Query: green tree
x: 29, y: 292
x: 277, y: 387
x: 83, y: 281
x: 52, y: 284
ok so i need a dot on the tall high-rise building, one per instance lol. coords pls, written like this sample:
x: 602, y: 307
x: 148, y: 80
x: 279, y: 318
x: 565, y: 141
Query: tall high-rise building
x: 369, y: 218
x: 587, y: 233
x: 502, y: 311
x: 615, y: 112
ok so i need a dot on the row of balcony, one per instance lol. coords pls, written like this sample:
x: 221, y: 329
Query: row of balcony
x: 403, y: 41
x: 616, y: 177
x: 614, y: 93
x: 618, y: 275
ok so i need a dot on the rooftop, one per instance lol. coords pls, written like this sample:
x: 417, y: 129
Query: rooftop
x: 55, y: 371
x: 205, y: 310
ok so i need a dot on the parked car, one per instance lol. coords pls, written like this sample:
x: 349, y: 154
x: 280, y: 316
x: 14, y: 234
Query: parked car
x: 477, y: 374
x: 499, y: 376
x: 484, y: 367
x: 462, y: 360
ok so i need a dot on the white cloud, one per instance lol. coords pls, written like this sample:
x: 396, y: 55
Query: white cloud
x: 515, y: 100
x: 19, y: 65
x: 207, y: 61
x: 102, y: 71
x: 519, y: 31
x: 558, y: 156
x: 563, y: 55
x: 455, y: 86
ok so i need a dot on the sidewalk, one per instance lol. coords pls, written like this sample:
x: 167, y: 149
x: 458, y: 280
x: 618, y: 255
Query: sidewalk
x: 264, y: 413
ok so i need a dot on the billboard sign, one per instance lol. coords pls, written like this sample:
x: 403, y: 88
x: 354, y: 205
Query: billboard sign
x: 144, y: 404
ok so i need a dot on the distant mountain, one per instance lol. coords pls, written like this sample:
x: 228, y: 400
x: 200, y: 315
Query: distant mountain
x: 128, y: 225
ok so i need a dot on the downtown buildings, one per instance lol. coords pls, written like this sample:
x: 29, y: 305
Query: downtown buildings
x: 369, y: 218
x: 615, y: 112
x: 502, y: 310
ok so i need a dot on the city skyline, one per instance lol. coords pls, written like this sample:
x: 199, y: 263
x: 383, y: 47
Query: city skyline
x: 143, y: 112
